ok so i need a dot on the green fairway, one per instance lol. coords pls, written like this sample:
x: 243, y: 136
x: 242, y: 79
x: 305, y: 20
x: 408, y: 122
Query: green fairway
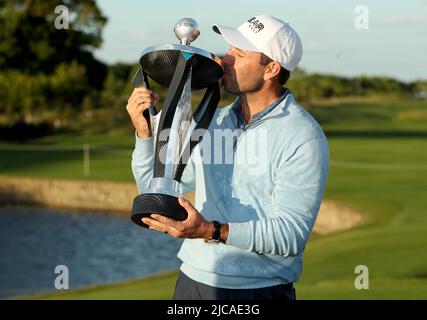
x: 393, y: 241
x: 160, y: 286
x: 61, y: 157
x: 382, y: 173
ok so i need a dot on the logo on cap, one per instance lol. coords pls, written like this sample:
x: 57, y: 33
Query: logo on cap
x: 255, y: 25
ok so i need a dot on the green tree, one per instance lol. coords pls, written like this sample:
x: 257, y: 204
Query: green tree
x: 68, y: 85
x: 29, y: 41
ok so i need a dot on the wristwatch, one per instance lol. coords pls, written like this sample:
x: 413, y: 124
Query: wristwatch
x: 216, y: 235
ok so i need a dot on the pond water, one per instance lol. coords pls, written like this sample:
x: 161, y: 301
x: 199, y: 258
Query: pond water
x: 96, y: 248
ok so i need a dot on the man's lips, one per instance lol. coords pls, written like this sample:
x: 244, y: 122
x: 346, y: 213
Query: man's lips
x: 227, y: 72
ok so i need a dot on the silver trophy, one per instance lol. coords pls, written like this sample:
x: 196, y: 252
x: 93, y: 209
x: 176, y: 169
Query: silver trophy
x: 181, y: 68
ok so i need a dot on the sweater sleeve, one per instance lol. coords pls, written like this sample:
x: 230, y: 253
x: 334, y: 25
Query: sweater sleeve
x: 143, y: 165
x: 143, y: 162
x: 298, y: 192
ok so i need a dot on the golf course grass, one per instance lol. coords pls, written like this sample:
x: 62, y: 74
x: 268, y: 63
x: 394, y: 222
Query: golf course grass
x: 378, y: 166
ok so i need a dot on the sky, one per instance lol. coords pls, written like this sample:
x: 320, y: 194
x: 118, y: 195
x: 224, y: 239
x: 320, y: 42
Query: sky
x: 394, y: 43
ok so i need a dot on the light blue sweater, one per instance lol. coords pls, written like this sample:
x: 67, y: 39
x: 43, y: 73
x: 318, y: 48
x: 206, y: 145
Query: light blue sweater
x: 267, y: 184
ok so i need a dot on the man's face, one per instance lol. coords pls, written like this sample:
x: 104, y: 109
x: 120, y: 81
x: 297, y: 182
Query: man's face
x: 243, y: 71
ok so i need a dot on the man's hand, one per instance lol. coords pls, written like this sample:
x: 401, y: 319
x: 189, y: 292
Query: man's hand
x: 140, y: 100
x: 195, y: 226
x: 218, y: 60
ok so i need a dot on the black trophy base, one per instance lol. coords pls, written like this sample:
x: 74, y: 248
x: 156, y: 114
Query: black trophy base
x: 148, y: 203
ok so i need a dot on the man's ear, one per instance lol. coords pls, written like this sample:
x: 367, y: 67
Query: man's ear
x: 271, y: 70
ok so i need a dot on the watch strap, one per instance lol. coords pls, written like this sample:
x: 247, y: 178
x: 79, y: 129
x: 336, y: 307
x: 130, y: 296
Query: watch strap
x: 217, y: 231
x: 216, y: 235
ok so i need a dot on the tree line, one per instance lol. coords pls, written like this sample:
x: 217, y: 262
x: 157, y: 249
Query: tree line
x: 45, y: 72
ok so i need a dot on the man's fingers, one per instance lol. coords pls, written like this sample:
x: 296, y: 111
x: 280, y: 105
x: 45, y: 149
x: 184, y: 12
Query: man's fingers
x: 147, y: 221
x: 141, y: 97
x: 147, y: 92
x: 218, y: 60
x: 186, y: 204
x: 155, y: 224
x: 144, y: 100
x: 142, y: 89
x: 157, y: 229
x: 140, y: 108
x: 164, y: 220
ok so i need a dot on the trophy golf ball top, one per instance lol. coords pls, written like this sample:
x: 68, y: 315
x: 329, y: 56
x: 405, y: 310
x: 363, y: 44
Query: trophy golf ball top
x: 186, y: 30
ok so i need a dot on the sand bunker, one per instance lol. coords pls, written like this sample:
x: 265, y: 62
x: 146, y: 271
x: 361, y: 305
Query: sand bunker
x: 335, y: 217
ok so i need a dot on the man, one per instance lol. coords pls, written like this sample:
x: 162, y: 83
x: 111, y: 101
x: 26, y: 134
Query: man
x: 245, y: 237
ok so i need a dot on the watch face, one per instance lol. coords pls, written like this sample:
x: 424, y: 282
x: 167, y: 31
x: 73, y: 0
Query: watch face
x: 213, y: 241
x: 216, y: 236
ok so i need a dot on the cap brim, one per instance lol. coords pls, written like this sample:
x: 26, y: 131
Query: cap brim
x: 235, y: 38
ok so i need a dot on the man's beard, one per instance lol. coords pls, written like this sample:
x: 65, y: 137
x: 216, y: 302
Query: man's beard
x: 231, y: 86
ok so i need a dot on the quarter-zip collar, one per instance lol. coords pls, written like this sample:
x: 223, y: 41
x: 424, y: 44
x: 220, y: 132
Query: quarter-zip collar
x: 237, y: 106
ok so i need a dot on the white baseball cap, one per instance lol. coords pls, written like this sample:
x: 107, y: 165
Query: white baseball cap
x: 271, y: 36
